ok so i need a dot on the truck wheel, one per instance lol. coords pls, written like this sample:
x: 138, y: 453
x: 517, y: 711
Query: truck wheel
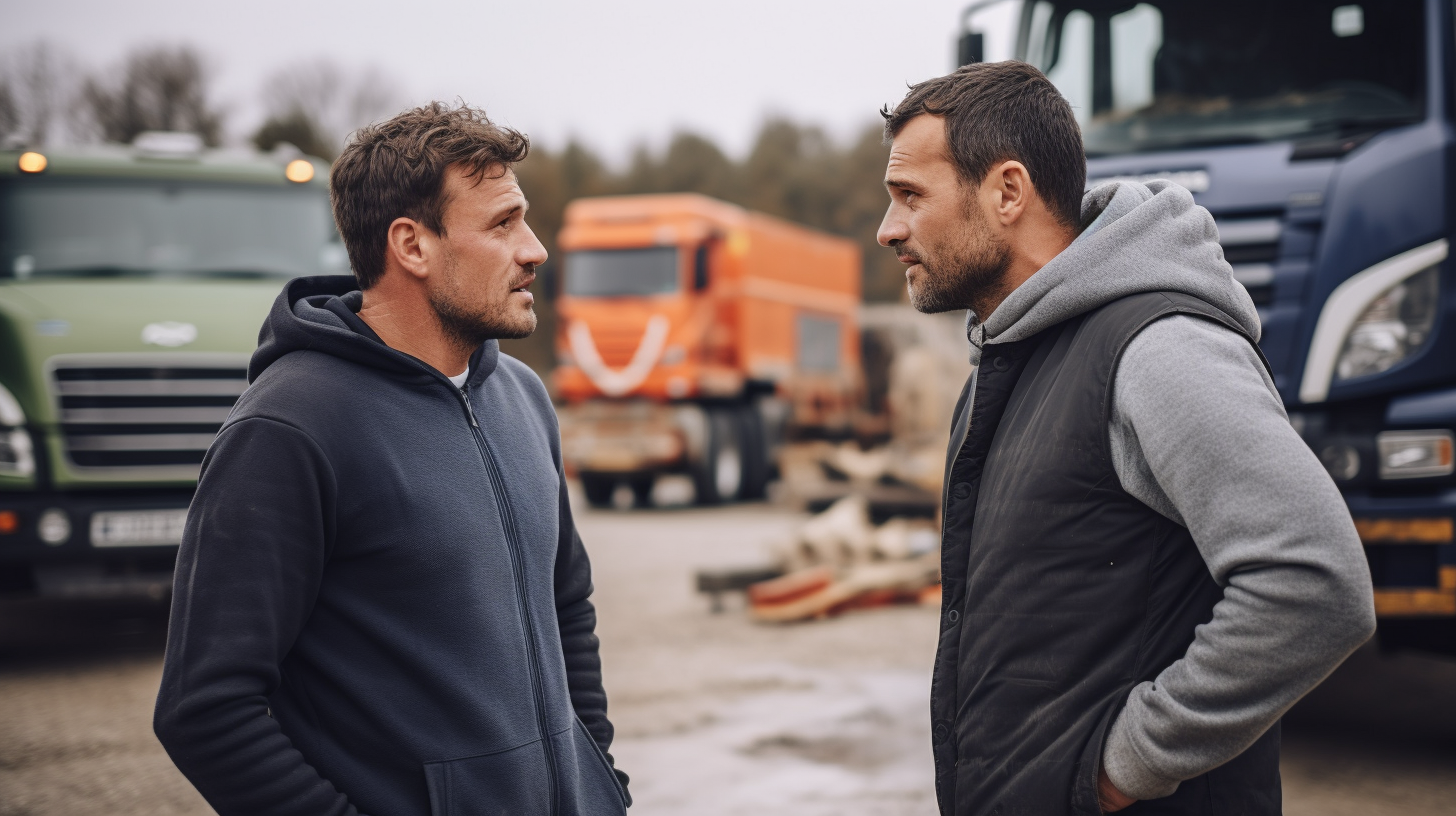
x: 642, y: 491
x: 598, y: 489
x: 718, y: 477
x: 755, y: 453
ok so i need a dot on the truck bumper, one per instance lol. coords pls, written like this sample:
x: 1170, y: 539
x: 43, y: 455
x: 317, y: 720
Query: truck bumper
x: 1412, y: 552
x: 628, y: 437
x: 104, y: 544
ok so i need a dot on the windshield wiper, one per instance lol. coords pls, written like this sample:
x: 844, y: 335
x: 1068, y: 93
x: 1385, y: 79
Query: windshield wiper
x: 1340, y: 136
x: 93, y: 271
x: 1177, y: 144
x: 238, y: 274
x: 1353, y: 124
x: 120, y: 271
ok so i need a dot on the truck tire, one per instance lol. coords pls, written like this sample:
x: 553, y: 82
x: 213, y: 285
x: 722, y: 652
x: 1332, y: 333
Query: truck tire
x: 598, y: 489
x: 754, y: 444
x: 641, y: 491
x: 718, y: 476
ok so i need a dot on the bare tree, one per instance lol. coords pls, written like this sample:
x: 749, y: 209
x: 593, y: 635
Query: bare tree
x: 315, y: 105
x: 159, y: 88
x: 9, y: 114
x: 37, y: 89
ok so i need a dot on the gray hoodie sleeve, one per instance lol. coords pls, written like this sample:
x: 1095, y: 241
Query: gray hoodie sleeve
x: 1199, y: 434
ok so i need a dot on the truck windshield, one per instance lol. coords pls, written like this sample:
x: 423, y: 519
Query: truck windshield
x: 1170, y: 74
x: 619, y: 272
x: 59, y: 228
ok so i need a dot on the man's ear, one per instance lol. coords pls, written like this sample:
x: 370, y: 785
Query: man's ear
x: 408, y: 244
x: 1009, y: 187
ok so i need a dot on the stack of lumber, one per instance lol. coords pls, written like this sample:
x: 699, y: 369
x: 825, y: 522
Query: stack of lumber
x: 839, y: 560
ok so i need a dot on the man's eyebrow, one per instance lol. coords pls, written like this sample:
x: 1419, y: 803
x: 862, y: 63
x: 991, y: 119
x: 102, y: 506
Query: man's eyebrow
x: 900, y: 183
x: 520, y: 208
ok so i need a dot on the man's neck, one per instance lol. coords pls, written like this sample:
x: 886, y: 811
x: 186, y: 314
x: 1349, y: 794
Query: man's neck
x: 413, y: 329
x: 1027, y: 257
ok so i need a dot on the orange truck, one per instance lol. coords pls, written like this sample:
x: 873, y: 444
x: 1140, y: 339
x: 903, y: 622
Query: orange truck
x: 694, y: 337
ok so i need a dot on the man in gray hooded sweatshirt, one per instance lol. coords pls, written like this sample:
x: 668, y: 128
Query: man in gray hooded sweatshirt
x: 1144, y: 566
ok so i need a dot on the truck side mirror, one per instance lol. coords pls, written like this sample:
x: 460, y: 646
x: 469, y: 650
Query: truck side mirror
x: 700, y: 267
x: 970, y: 48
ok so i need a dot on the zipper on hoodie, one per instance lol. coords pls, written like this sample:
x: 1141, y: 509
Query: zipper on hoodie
x: 508, y: 522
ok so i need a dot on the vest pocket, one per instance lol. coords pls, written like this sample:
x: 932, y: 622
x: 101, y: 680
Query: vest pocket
x: 1089, y: 766
x: 505, y: 783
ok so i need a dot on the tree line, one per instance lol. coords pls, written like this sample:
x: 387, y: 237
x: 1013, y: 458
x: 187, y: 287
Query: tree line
x: 47, y: 97
x: 793, y: 170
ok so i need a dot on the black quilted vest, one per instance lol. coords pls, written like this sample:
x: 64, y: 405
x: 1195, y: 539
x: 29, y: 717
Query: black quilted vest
x: 1061, y: 591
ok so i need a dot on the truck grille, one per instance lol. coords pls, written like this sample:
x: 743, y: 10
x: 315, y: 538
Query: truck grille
x: 152, y: 414
x: 617, y: 344
x: 1251, y: 246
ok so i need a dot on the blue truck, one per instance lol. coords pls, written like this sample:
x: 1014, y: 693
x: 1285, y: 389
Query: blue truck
x: 1320, y: 135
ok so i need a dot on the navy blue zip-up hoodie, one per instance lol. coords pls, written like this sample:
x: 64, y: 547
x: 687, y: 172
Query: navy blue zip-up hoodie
x: 382, y: 605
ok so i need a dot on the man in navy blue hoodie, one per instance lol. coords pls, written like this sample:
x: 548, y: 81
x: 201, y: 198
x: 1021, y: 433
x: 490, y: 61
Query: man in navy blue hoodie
x: 382, y: 605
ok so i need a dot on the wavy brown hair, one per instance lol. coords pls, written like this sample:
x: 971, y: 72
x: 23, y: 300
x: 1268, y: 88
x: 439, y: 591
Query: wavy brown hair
x: 396, y: 169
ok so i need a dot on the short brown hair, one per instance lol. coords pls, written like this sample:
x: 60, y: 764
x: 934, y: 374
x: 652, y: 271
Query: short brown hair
x: 396, y: 169
x: 1003, y: 111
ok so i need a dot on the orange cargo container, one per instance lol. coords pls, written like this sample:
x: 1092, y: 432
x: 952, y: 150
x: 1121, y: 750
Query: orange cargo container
x: 694, y: 335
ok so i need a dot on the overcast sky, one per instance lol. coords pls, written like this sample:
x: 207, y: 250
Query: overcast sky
x: 611, y: 74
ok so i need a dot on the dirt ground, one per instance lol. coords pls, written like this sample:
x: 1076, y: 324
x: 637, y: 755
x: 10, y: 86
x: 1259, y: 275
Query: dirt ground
x: 715, y: 715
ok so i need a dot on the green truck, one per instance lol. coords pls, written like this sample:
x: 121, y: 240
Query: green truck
x: 133, y: 281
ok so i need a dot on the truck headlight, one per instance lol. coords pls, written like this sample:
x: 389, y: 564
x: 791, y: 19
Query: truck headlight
x: 1415, y: 454
x: 1394, y: 324
x: 1374, y: 320
x: 16, y: 456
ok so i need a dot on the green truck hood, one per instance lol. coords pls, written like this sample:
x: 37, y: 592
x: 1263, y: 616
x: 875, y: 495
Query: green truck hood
x: 40, y: 319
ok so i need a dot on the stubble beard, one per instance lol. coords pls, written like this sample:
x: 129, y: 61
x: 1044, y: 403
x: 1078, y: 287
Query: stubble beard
x: 963, y: 273
x: 467, y: 326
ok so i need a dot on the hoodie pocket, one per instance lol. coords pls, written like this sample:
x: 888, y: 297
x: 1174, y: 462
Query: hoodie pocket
x: 512, y: 782
x: 589, y: 787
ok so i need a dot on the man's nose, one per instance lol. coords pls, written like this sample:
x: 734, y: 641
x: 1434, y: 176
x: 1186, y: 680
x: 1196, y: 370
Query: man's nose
x: 892, y: 228
x: 533, y: 253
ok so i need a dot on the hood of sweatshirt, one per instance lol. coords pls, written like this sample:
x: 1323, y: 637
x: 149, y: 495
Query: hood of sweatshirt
x: 313, y: 313
x: 1140, y: 237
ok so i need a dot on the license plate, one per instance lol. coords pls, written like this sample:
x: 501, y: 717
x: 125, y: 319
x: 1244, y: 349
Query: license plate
x: 138, y: 528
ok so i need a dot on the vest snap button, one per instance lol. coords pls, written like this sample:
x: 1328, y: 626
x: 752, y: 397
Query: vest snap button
x: 1000, y: 363
x: 961, y: 491
x: 953, y: 616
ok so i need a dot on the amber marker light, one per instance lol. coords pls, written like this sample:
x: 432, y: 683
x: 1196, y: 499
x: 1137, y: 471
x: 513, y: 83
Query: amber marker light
x: 32, y: 162
x: 9, y: 522
x: 298, y: 171
x: 1405, y: 531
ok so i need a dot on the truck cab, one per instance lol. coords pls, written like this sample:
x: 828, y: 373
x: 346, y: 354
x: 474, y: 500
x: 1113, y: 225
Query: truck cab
x: 133, y: 281
x: 694, y: 335
x: 1319, y: 134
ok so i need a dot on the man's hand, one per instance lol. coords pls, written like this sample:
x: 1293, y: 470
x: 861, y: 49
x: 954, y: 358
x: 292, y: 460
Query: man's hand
x: 1108, y: 796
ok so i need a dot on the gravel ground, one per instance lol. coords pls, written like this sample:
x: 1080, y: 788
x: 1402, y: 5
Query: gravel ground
x: 715, y: 715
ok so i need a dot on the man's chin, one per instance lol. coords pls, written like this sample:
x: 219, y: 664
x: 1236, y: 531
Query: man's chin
x: 521, y: 329
x: 928, y: 302
x: 474, y: 330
